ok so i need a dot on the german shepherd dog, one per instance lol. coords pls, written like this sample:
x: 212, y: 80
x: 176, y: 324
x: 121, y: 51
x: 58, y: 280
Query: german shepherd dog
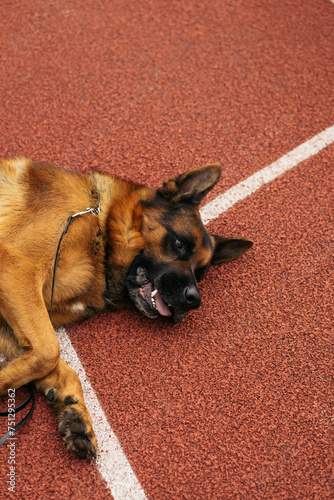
x: 137, y: 246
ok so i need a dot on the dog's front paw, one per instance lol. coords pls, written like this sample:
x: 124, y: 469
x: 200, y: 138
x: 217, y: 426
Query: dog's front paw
x: 77, y: 435
x: 74, y: 425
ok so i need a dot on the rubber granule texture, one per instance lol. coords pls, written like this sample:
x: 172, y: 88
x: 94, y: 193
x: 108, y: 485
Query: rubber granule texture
x: 236, y: 401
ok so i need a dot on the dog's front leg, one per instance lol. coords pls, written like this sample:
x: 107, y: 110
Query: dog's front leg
x: 23, y: 310
x: 63, y: 390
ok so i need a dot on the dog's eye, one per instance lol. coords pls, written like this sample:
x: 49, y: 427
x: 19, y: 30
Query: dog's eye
x: 178, y: 243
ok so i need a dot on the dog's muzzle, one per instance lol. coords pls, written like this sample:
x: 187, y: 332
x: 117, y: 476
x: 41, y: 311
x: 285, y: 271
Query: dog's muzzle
x: 170, y: 294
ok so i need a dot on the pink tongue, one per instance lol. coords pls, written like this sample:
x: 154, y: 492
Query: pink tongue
x: 161, y: 306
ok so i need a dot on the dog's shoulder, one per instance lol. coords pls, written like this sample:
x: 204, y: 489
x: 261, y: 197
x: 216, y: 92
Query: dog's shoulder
x: 22, y: 177
x: 36, y: 196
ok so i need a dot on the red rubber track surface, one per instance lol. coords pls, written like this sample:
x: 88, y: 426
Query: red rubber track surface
x: 236, y: 401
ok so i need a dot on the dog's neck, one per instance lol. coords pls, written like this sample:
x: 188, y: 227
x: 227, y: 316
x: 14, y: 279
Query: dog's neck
x: 120, y: 222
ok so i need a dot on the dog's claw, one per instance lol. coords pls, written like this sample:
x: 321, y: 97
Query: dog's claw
x: 51, y: 395
x: 70, y: 400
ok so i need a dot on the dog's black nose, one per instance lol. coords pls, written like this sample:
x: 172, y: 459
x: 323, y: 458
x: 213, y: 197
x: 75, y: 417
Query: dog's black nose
x: 193, y: 297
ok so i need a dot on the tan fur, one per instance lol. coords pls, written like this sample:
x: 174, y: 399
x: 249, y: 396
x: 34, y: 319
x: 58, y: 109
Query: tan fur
x: 35, y: 203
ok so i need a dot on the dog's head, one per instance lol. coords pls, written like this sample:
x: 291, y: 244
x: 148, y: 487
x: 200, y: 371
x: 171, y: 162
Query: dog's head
x: 163, y: 278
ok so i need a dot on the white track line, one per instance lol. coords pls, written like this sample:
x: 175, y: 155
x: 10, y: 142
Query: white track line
x: 237, y: 193
x: 112, y: 462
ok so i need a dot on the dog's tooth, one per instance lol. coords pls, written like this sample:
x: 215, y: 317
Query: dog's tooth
x: 154, y: 293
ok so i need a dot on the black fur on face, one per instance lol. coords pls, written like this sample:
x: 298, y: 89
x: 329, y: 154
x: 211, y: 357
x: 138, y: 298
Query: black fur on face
x: 162, y: 280
x: 162, y: 290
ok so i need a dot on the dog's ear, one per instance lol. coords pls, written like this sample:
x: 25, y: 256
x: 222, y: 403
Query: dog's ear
x: 191, y: 186
x: 226, y: 249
